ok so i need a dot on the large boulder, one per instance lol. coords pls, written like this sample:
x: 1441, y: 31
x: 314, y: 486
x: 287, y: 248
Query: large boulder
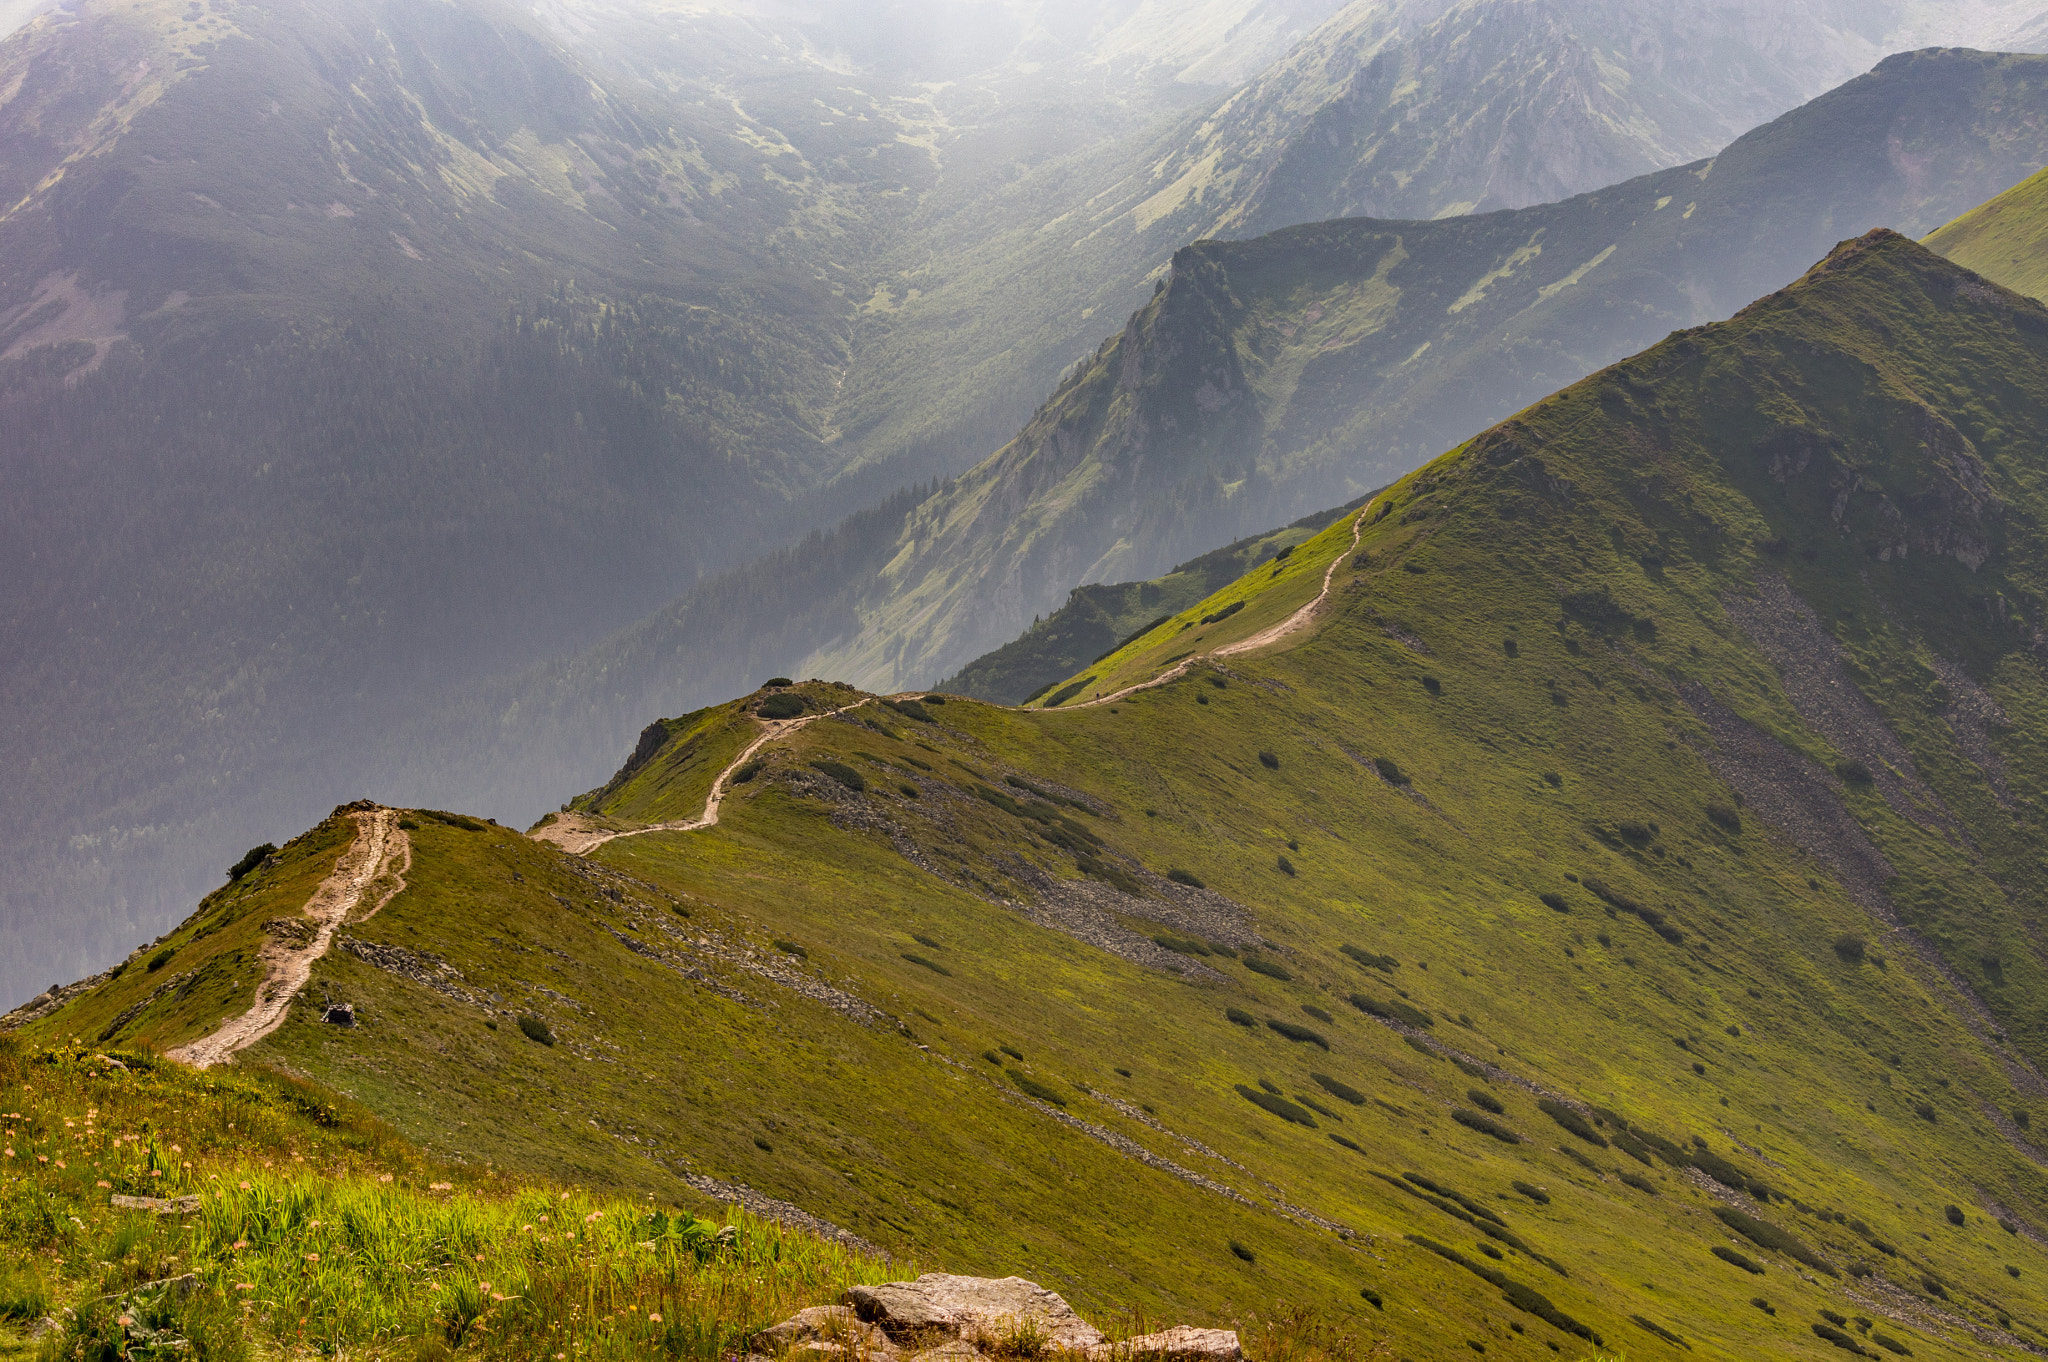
x: 823, y: 1333
x: 975, y: 1310
x: 1178, y: 1344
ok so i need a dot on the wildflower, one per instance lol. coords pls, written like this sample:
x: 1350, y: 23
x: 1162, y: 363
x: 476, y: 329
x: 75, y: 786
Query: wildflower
x: 245, y: 1286
x: 156, y: 1172
x: 593, y: 1217
x: 245, y: 1185
x: 104, y: 1183
x: 42, y: 1158
x: 241, y: 1243
x: 496, y: 1296
x: 479, y: 1257
x: 60, y: 1163
x: 312, y: 1257
x: 177, y: 1149
x: 654, y: 1318
x: 126, y: 1321
x: 10, y: 1153
x: 385, y: 1178
x: 526, y: 1229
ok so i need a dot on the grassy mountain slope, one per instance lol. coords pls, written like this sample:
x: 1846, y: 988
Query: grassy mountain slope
x: 1667, y: 758
x: 2005, y: 239
x: 1298, y: 369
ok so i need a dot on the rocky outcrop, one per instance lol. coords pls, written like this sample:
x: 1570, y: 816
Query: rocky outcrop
x: 941, y: 1317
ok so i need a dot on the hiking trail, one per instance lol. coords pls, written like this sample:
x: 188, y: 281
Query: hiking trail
x: 579, y: 835
x: 380, y: 856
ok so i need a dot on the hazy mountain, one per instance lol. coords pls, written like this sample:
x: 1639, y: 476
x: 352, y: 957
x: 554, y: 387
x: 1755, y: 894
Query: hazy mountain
x: 1611, y: 908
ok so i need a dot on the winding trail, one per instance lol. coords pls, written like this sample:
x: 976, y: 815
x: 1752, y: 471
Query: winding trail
x: 579, y: 836
x: 381, y: 855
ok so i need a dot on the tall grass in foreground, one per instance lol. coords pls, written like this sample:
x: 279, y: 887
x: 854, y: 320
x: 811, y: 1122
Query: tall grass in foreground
x: 319, y: 1233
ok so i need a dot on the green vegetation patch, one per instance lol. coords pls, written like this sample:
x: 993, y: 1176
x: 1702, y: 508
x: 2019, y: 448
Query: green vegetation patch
x: 1766, y: 1235
x: 1276, y: 1104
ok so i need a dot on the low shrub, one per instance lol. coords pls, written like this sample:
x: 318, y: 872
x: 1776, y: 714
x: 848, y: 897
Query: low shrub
x: 1181, y: 946
x: 1012, y: 1052
x: 1760, y: 1303
x: 1111, y: 874
x: 909, y: 791
x: 1312, y: 1010
x: 911, y: 709
x: 1724, y: 817
x: 1390, y: 773
x: 1660, y: 1331
x: 841, y: 772
x: 160, y: 959
x: 993, y: 1058
x: 1284, y: 866
x: 1317, y: 1107
x: 748, y: 770
x: 251, y: 858
x: 1554, y: 902
x: 1225, y: 613
x: 791, y: 948
x: 1267, y: 968
x: 1839, y: 1339
x: 1485, y: 1101
x: 1850, y: 947
x: 1432, y: 685
x: 1933, y: 1286
x: 1297, y: 1033
x: 2008, y: 1226
x: 1270, y: 1086
x: 453, y: 820
x: 923, y: 940
x: 1890, y: 1344
x: 1768, y: 1236
x: 774, y: 682
x: 1239, y: 1017
x: 1372, y: 1298
x: 1955, y: 1215
x: 1340, y: 1090
x: 1531, y: 1191
x: 1242, y: 1252
x: 1179, y: 876
x: 1523, y: 1298
x: 934, y: 966
x: 533, y: 1028
x: 1570, y: 1120
x: 1853, y: 773
x: 1394, y: 1011
x: 1031, y: 1087
x: 1278, y: 1106
x: 1384, y: 963
x: 1737, y: 1259
x: 1925, y: 1111
x: 1637, y: 1181
x: 781, y: 705
x: 1472, y: 1120
x: 1269, y: 760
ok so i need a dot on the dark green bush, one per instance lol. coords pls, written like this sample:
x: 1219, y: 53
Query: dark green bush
x: 1012, y: 1052
x: 1181, y: 945
x: 1312, y: 1010
x: 1225, y: 613
x: 1110, y: 873
x: 1242, y: 1252
x: 1391, y: 773
x: 934, y: 966
x: 1372, y: 1297
x: 1284, y: 866
x: 748, y: 770
x: 1523, y: 1298
x: 1485, y: 1101
x: 774, y: 682
x: 1890, y: 1344
x: 533, y: 1028
x: 1279, y: 1106
x: 1031, y: 1087
x: 1925, y: 1111
x: 1239, y: 1017
x: 1432, y: 685
x: 1955, y: 1215
x: 782, y: 705
x: 2008, y: 1226
x: 1317, y: 1107
x: 453, y: 820
x: 1660, y: 1331
x: 924, y: 940
x: 791, y: 948
x: 993, y: 1058
x: 160, y: 959
x: 1933, y: 1286
x: 1385, y: 963
x: 1394, y: 1011
x: 1768, y: 1236
x: 1724, y: 817
x: 1339, y: 1089
x: 844, y: 774
x: 1853, y: 773
x: 909, y: 791
x: 251, y: 858
x: 1839, y: 1339
x: 1533, y: 1192
x: 1270, y: 1086
x: 1570, y: 1120
x: 911, y: 709
x: 1297, y: 1033
x: 1179, y: 876
x: 1741, y: 1260
x: 1836, y: 1319
x: 1554, y: 902
x: 1267, y: 968
x: 1760, y: 1303
x: 1472, y: 1120
x: 1637, y: 1181
x: 1850, y: 947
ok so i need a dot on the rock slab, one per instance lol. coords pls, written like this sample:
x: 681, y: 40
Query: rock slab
x: 945, y: 1318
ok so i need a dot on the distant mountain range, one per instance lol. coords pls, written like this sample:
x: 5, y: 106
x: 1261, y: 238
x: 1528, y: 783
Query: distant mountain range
x: 358, y: 358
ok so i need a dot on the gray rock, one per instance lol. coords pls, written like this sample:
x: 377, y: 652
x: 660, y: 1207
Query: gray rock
x: 824, y: 1332
x: 1178, y: 1344
x: 971, y: 1309
x: 177, y: 1205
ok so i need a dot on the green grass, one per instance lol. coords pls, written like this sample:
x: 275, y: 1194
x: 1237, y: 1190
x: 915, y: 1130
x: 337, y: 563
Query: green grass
x: 896, y: 1128
x: 2003, y: 239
